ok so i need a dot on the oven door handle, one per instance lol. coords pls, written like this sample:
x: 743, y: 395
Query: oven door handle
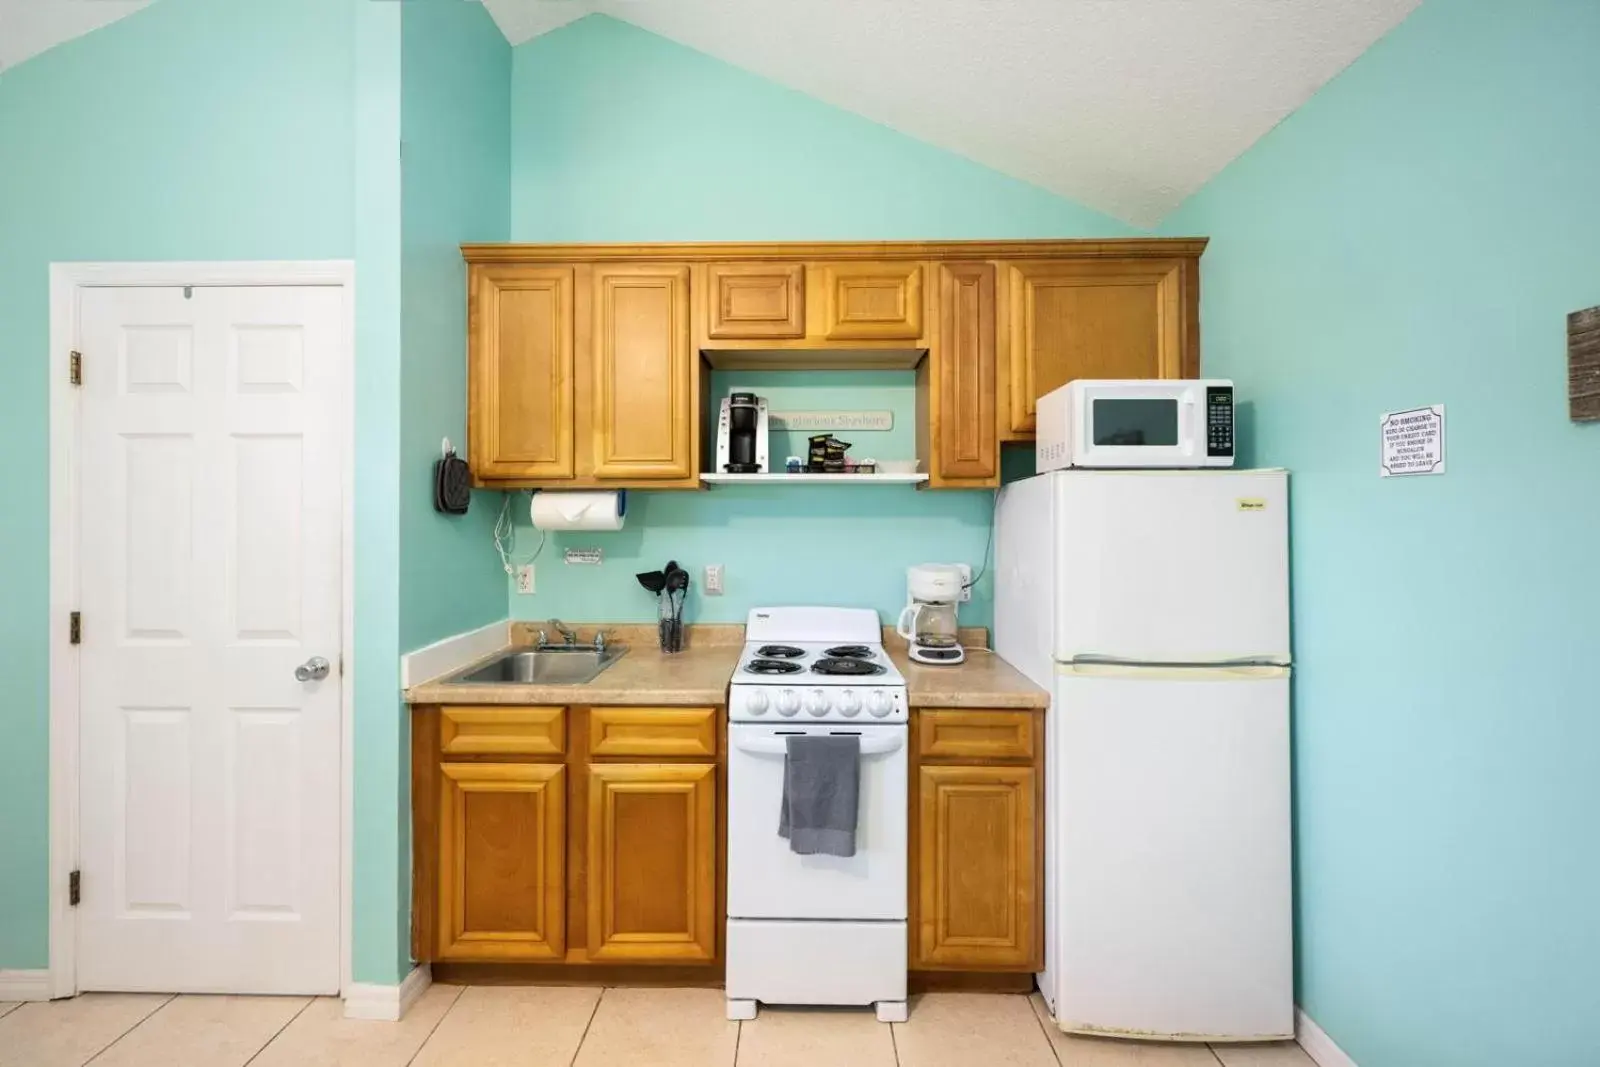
x: 778, y: 746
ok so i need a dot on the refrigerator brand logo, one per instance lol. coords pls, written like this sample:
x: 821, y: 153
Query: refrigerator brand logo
x: 1252, y: 504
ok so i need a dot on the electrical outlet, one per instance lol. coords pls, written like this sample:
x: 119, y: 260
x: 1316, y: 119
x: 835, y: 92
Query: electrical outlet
x: 713, y: 582
x: 966, y: 582
x: 525, y: 578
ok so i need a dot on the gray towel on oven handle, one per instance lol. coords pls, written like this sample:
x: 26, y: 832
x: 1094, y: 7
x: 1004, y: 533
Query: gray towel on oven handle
x: 821, y: 794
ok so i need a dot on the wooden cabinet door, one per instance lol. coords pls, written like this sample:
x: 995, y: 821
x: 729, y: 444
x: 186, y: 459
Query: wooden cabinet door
x: 502, y: 868
x: 520, y: 370
x: 959, y: 376
x: 652, y: 862
x: 755, y: 300
x: 976, y: 899
x: 643, y: 373
x: 1098, y: 319
x: 871, y: 301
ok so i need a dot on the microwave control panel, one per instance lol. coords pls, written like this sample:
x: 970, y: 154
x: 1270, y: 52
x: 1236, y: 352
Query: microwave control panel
x: 1219, y: 420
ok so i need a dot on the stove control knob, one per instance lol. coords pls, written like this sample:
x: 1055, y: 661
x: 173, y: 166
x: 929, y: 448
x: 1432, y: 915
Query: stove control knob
x: 788, y: 702
x: 880, y: 703
x: 849, y: 703
x: 757, y: 702
x: 817, y: 703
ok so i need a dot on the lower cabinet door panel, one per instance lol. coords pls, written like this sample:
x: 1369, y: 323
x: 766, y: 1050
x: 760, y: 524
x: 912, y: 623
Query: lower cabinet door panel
x: 652, y: 862
x: 976, y: 898
x: 502, y: 861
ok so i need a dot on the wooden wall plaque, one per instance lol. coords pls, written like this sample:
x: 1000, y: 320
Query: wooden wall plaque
x: 1583, y: 365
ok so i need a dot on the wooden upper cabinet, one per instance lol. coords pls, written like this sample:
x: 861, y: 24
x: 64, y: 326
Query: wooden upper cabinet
x: 521, y: 372
x: 977, y: 881
x: 652, y: 862
x: 502, y: 873
x: 1096, y: 319
x: 959, y: 378
x: 871, y: 301
x: 755, y: 301
x: 644, y: 403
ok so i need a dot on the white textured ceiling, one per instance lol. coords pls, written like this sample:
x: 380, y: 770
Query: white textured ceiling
x: 1127, y: 106
x: 28, y: 27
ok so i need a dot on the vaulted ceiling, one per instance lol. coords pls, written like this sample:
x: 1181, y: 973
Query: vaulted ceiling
x: 1127, y: 106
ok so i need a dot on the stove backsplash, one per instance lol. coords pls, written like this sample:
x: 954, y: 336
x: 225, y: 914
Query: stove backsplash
x: 846, y: 546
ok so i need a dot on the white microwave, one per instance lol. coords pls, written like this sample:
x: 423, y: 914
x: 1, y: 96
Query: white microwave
x: 1148, y: 423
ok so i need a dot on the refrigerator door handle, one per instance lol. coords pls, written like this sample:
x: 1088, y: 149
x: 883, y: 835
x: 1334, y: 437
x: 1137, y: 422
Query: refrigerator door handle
x: 1093, y: 658
x: 1221, y: 672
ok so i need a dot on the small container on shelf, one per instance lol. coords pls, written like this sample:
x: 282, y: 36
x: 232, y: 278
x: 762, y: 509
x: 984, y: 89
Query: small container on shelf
x: 794, y: 465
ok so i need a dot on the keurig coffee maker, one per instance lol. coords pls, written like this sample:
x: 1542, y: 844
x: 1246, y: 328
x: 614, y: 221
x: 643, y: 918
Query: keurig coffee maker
x: 742, y: 435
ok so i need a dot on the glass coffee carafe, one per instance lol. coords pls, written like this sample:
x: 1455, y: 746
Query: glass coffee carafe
x: 932, y: 624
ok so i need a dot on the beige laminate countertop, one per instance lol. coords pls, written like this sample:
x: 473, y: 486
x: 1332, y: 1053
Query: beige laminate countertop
x: 696, y: 676
x: 699, y: 675
x: 982, y: 680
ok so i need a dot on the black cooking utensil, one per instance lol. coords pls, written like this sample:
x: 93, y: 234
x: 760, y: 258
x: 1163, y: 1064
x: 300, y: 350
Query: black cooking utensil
x: 677, y: 590
x: 653, y: 581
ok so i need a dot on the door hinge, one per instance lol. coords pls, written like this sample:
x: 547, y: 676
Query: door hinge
x: 75, y: 628
x: 75, y: 368
x: 74, y: 888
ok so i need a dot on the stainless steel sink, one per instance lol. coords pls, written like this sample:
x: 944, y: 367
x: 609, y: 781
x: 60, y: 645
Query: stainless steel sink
x: 552, y: 665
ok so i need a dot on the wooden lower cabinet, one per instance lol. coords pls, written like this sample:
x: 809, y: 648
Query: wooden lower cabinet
x: 502, y: 871
x: 538, y: 840
x: 652, y: 872
x: 976, y: 863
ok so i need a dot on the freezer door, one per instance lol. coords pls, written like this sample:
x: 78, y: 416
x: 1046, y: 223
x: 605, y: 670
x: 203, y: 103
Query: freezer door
x: 1172, y: 566
x: 1173, y: 888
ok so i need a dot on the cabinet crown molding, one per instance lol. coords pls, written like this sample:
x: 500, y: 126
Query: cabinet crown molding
x: 716, y: 251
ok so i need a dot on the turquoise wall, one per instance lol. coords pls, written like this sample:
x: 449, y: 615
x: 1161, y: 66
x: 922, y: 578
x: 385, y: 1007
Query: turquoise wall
x: 1416, y: 234
x: 149, y: 139
x: 205, y: 130
x: 456, y: 128
x: 620, y: 135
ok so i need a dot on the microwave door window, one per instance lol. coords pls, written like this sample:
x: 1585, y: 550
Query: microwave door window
x: 1135, y: 422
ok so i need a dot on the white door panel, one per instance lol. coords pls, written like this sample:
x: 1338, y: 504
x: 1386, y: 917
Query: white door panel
x: 209, y: 569
x: 1172, y: 566
x: 1172, y: 815
x: 768, y: 881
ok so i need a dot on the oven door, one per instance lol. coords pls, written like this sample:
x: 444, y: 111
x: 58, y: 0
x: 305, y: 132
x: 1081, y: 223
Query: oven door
x: 766, y: 880
x: 1151, y: 424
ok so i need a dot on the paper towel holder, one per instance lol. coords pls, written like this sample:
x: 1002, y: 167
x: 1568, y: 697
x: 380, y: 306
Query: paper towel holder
x: 571, y: 520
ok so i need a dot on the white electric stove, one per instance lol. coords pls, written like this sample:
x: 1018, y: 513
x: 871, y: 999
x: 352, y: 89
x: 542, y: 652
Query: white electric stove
x: 816, y: 929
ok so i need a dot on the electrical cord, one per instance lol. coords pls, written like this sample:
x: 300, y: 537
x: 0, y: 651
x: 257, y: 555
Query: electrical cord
x: 505, y: 537
x: 988, y: 545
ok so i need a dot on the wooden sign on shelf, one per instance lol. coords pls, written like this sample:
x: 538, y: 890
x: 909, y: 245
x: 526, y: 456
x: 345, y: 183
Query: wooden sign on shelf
x: 1583, y: 365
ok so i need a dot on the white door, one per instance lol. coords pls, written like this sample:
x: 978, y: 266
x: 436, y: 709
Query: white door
x: 209, y: 556
x: 1172, y: 566
x: 768, y: 881
x: 1172, y: 896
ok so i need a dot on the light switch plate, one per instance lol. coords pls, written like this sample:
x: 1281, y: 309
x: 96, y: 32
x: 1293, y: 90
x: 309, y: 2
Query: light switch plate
x: 525, y: 579
x: 713, y: 582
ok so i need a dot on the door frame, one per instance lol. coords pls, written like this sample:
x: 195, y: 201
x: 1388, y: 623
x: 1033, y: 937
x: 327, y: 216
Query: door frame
x: 67, y: 283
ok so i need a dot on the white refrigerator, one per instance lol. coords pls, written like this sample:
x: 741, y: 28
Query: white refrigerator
x: 1154, y: 605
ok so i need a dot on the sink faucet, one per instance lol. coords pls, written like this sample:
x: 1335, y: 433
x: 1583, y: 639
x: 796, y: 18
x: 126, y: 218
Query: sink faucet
x: 568, y: 635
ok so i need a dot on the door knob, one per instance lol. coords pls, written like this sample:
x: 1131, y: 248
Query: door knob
x: 313, y: 669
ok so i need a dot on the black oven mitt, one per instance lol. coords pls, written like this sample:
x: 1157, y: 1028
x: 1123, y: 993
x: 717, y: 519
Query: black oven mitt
x: 452, y: 485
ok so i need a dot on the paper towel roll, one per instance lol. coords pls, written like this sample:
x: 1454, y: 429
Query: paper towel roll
x: 578, y: 511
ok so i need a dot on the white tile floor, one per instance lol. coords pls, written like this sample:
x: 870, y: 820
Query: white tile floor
x: 502, y: 1026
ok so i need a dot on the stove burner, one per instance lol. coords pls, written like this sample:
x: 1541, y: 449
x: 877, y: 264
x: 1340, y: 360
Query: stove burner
x: 771, y: 666
x: 833, y: 665
x: 780, y: 652
x: 850, y: 652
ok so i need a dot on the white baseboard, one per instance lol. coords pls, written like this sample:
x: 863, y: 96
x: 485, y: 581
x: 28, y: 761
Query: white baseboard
x: 1317, y: 1044
x: 388, y: 1002
x: 442, y: 657
x: 25, y: 985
